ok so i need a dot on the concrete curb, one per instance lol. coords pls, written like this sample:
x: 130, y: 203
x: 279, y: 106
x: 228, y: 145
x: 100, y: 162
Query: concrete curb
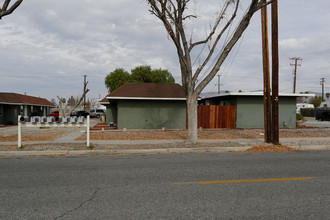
x: 314, y: 147
x: 141, y: 151
x: 121, y: 152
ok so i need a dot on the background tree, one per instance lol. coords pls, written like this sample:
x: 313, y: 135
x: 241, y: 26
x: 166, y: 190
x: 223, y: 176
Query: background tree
x: 162, y: 76
x: 139, y: 74
x: 327, y: 95
x: 6, y: 10
x: 116, y: 78
x: 316, y: 101
x: 173, y: 15
x: 72, y: 101
x: 148, y: 75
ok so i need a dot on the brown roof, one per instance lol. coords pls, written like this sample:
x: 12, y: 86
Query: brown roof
x: 14, y: 98
x: 148, y: 91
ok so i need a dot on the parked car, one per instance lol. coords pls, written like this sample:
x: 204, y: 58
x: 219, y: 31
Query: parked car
x: 323, y: 114
x: 79, y: 113
x: 96, y: 113
x: 54, y: 114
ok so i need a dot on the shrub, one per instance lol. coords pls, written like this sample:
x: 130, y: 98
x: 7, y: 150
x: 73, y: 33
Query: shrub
x: 299, y: 117
x: 308, y: 112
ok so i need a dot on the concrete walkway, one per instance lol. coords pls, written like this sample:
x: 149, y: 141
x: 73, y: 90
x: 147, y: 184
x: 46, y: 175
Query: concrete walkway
x: 122, y: 146
x: 303, y: 144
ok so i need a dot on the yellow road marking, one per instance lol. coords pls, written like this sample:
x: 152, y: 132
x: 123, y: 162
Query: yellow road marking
x: 247, y: 181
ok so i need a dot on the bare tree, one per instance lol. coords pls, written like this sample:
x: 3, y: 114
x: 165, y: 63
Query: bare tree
x: 63, y: 109
x: 4, y: 10
x: 173, y: 15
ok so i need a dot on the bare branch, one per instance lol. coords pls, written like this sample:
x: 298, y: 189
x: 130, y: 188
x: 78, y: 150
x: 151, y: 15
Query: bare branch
x: 236, y: 36
x: 200, y: 68
x: 5, y: 11
x: 78, y: 103
x: 263, y: 3
x: 219, y: 19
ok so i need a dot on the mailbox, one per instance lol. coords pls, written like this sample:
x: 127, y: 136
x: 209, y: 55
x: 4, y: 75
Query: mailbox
x: 66, y: 119
x: 50, y: 119
x: 58, y: 119
x: 43, y: 119
x: 73, y: 119
x: 81, y: 119
x: 24, y: 119
x: 35, y: 119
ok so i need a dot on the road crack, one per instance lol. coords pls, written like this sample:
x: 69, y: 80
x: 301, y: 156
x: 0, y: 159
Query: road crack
x: 80, y: 205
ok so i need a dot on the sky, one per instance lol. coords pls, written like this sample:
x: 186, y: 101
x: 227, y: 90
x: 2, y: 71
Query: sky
x: 47, y: 46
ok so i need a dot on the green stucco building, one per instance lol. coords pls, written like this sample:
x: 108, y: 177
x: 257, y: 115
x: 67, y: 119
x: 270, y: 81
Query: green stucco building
x: 250, y: 108
x: 146, y: 106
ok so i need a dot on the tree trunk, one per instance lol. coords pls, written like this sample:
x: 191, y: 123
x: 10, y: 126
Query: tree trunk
x: 192, y: 119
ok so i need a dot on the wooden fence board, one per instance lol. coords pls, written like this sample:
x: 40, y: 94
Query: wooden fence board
x: 211, y: 116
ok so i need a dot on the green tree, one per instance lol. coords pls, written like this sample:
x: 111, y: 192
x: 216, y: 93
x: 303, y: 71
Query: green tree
x: 117, y: 78
x: 316, y: 101
x: 143, y: 74
x: 327, y: 95
x: 148, y: 75
x: 162, y: 76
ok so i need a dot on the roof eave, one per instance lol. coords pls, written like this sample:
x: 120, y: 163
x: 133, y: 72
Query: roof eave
x: 145, y: 98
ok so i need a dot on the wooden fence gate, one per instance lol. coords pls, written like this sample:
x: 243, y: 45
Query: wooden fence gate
x: 215, y: 116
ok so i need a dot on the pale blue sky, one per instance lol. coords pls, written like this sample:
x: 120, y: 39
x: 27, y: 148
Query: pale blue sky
x: 47, y: 46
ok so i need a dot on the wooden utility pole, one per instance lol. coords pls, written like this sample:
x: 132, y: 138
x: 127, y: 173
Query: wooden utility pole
x: 322, y: 84
x: 84, y: 92
x: 296, y: 59
x: 275, y: 74
x: 219, y: 84
x: 265, y: 58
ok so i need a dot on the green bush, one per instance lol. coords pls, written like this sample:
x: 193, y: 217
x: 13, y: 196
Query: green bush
x: 299, y: 117
x: 308, y: 112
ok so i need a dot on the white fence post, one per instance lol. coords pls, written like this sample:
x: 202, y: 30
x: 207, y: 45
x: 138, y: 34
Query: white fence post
x: 87, y: 130
x: 19, y: 131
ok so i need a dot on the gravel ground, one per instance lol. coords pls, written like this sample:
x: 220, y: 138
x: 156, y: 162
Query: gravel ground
x: 43, y: 147
x: 34, y: 134
x: 50, y: 134
x: 204, y: 134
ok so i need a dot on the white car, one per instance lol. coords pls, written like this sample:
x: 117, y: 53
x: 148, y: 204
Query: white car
x: 96, y: 113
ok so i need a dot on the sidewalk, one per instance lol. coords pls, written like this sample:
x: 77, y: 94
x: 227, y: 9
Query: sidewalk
x: 131, y: 147
x: 67, y: 145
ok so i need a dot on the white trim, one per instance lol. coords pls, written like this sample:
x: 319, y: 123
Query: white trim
x: 145, y: 98
x: 258, y: 94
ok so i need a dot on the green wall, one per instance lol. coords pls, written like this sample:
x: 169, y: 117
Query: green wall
x: 250, y: 112
x: 150, y: 114
x: 2, y: 119
x: 111, y: 113
x: 10, y: 114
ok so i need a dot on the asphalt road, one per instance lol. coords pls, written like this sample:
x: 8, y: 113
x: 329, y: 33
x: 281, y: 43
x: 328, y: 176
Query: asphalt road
x: 286, y: 185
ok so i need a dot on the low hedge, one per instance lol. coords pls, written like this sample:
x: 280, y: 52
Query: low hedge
x: 308, y: 112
